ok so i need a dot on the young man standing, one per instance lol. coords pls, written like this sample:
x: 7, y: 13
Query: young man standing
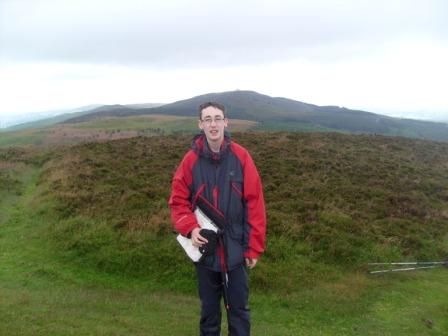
x: 221, y: 174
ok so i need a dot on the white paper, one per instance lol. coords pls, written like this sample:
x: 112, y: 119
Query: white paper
x: 187, y: 244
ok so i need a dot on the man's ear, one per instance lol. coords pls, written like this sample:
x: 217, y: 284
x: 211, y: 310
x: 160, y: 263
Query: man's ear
x: 200, y: 125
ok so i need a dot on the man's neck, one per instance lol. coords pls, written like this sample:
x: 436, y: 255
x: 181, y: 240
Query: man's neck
x: 215, y: 146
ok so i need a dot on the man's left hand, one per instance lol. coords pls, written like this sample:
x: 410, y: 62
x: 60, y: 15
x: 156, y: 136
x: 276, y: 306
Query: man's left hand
x: 251, y: 262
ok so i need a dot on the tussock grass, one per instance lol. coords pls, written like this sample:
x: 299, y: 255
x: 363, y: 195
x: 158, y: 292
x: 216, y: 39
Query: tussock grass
x: 69, y: 267
x: 334, y: 201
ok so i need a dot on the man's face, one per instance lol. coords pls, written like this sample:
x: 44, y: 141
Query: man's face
x: 213, y: 124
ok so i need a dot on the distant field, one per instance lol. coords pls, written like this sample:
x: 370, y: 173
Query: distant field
x: 112, y: 128
x: 133, y: 123
x: 109, y: 129
x: 292, y: 126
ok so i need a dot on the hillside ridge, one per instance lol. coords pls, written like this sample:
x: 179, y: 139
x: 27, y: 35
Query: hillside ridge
x: 253, y: 106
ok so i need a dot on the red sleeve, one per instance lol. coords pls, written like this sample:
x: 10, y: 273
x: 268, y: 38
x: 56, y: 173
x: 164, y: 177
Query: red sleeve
x: 184, y: 220
x: 256, y: 213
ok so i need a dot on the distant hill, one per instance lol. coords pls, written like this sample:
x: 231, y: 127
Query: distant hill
x: 275, y: 111
x: 55, y: 117
x: 44, y: 121
x: 115, y: 110
x: 45, y: 118
x: 144, y: 105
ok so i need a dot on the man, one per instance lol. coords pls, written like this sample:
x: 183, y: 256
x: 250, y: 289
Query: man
x: 221, y: 174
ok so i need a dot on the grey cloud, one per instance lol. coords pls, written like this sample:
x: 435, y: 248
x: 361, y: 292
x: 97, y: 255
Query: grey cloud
x: 186, y: 33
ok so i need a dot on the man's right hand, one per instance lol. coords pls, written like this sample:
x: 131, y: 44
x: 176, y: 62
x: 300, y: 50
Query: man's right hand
x: 197, y: 239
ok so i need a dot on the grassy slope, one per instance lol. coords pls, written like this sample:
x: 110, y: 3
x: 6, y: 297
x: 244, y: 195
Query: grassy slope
x: 48, y: 291
x: 335, y: 198
x: 42, y: 294
x: 20, y: 138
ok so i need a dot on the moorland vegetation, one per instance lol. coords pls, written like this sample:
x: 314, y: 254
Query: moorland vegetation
x: 86, y: 243
x: 333, y: 200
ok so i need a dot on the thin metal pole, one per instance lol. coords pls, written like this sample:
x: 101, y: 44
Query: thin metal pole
x: 412, y: 263
x: 401, y: 269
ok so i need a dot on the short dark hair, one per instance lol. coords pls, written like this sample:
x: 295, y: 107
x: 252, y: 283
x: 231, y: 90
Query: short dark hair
x: 213, y: 104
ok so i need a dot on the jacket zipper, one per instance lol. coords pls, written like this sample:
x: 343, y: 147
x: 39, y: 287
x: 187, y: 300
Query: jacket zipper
x: 215, y: 196
x: 215, y: 188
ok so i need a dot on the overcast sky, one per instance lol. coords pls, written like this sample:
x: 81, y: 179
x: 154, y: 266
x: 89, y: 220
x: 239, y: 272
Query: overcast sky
x: 384, y: 56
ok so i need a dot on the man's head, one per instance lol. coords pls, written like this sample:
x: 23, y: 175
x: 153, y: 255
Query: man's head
x: 212, y: 121
x: 211, y: 104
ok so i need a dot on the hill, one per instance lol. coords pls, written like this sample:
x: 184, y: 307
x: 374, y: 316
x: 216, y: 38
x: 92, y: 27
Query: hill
x: 287, y: 114
x: 87, y: 247
x: 333, y: 200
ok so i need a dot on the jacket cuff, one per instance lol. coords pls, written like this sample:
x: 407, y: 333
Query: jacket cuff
x: 188, y: 235
x: 251, y: 255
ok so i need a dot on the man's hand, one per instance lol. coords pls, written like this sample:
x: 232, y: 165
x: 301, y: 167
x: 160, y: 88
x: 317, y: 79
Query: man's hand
x: 197, y: 239
x: 251, y: 262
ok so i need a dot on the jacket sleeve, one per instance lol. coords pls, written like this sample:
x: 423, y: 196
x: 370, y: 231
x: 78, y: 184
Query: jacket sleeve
x: 255, y: 207
x: 184, y: 220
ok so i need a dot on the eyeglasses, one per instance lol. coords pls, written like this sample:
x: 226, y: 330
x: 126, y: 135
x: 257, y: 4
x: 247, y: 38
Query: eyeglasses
x: 208, y: 121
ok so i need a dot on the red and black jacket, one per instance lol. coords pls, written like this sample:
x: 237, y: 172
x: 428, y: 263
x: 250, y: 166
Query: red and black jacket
x: 228, y: 182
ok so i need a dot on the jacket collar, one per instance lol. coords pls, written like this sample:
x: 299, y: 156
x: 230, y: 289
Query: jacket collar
x: 201, y: 147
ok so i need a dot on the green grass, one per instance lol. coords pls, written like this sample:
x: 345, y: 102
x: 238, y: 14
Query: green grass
x: 138, y: 123
x: 22, y: 138
x: 43, y: 294
x: 99, y: 129
x: 70, y: 269
x: 415, y: 304
x: 338, y: 199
